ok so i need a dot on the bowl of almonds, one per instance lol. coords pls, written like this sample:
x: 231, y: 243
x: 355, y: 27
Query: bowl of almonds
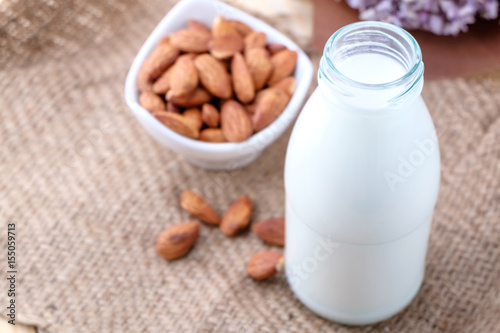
x: 216, y: 85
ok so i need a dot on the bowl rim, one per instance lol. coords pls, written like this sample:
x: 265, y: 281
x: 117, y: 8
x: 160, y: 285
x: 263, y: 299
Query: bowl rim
x: 258, y: 139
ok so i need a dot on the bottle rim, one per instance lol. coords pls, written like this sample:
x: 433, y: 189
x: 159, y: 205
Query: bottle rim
x: 412, y: 74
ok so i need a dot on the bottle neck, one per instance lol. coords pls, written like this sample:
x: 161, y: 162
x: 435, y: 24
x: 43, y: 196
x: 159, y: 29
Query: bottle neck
x: 371, y: 66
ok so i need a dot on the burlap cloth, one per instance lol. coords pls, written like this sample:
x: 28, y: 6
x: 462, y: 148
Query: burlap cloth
x: 90, y: 190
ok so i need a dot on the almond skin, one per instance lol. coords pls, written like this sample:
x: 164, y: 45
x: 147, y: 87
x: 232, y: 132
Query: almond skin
x: 151, y: 102
x: 237, y: 216
x: 210, y: 115
x: 176, y: 241
x: 198, y: 207
x: 241, y: 27
x: 193, y: 116
x: 162, y: 84
x: 183, y: 76
x: 212, y: 135
x: 269, y: 107
x: 213, y: 76
x: 159, y: 60
x: 259, y: 65
x: 288, y: 85
x: 172, y: 108
x: 242, y: 80
x: 191, y: 40
x: 196, y: 98
x: 263, y: 265
x: 283, y: 65
x: 255, y: 39
x: 235, y: 122
x: 224, y: 47
x: 177, y: 123
x: 275, y: 48
x: 222, y: 27
x: 271, y: 231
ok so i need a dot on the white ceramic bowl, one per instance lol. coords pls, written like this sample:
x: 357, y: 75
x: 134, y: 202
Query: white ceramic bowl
x: 216, y: 156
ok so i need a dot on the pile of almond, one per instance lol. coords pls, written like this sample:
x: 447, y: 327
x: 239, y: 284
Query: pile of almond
x: 218, y: 85
x: 176, y: 241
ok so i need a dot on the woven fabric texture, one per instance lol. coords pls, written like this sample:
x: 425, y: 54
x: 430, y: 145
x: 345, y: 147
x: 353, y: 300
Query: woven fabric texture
x: 90, y: 190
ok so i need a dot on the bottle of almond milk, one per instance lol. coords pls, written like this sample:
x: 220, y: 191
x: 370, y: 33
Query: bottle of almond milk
x: 362, y: 178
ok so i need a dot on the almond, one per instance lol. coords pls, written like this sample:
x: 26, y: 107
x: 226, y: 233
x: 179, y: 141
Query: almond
x: 287, y: 85
x: 241, y: 27
x: 177, y: 123
x: 151, y: 102
x: 198, y: 207
x: 259, y: 65
x: 235, y: 122
x: 237, y: 216
x: 213, y: 76
x: 275, y: 48
x: 176, y: 241
x: 222, y: 27
x: 271, y: 231
x: 194, y: 24
x: 224, y: 47
x: 283, y: 65
x: 255, y: 39
x: 242, y: 80
x: 193, y: 116
x: 172, y: 108
x: 159, y: 60
x: 264, y: 264
x: 162, y: 84
x: 183, y: 76
x: 210, y: 115
x: 269, y: 108
x: 191, y: 40
x: 196, y: 98
x: 144, y: 83
x: 212, y: 135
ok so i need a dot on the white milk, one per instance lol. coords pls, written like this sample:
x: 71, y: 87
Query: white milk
x: 361, y: 180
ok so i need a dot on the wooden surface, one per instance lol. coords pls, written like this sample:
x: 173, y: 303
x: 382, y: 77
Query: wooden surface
x: 5, y: 327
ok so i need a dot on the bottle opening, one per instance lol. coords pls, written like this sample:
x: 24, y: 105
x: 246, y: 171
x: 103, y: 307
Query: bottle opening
x: 371, y: 65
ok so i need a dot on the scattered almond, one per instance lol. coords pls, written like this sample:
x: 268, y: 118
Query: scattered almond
x: 198, y: 207
x: 191, y: 40
x: 212, y: 135
x: 151, y: 102
x: 259, y: 65
x: 213, y: 76
x: 283, y: 65
x: 176, y: 241
x: 237, y: 216
x: 210, y: 115
x: 193, y: 116
x: 264, y: 264
x: 235, y: 122
x: 242, y: 80
x: 224, y: 47
x: 177, y: 123
x: 271, y: 231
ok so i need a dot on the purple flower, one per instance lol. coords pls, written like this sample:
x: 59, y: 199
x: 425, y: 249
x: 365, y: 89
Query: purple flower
x: 442, y: 17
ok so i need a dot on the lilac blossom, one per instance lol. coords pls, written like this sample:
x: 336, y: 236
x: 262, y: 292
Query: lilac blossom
x: 442, y: 17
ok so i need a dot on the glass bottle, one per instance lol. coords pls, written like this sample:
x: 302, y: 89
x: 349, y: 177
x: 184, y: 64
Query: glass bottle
x: 361, y: 178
